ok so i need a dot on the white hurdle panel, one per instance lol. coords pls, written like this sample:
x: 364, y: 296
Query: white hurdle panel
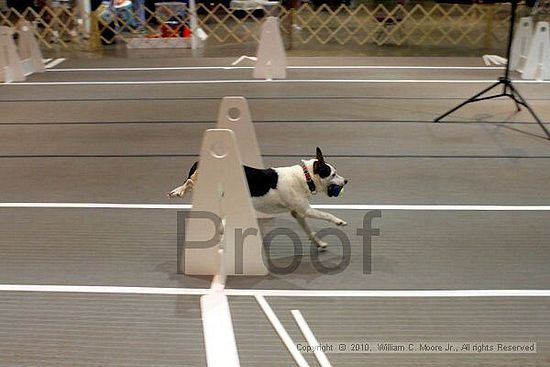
x: 271, y: 57
x: 221, y: 189
x: 234, y: 114
x: 29, y: 51
x: 521, y: 43
x: 537, y: 65
x: 16, y: 64
x: 11, y: 69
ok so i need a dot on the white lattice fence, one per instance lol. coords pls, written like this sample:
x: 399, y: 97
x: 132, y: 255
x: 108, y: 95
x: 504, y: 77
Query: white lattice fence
x: 426, y: 24
x: 61, y: 26
x: 226, y: 25
x: 420, y: 24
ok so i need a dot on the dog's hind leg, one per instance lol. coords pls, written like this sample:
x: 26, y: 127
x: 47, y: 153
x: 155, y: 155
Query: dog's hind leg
x: 188, y: 185
x: 302, y: 221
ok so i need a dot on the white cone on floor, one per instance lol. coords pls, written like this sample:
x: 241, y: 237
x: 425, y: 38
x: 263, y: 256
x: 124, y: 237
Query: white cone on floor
x: 11, y: 69
x: 221, y: 189
x: 537, y: 65
x: 521, y: 43
x: 271, y: 63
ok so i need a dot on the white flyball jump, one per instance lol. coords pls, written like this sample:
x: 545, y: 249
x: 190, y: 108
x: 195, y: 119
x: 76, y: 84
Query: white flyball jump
x: 537, y: 65
x: 221, y: 190
x: 11, y: 69
x: 234, y: 114
x: 236, y: 248
x: 29, y: 50
x: 235, y: 240
x: 14, y: 65
x: 521, y: 44
x: 271, y: 57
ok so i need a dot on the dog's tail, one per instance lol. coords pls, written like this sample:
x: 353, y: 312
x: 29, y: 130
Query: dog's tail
x: 188, y: 185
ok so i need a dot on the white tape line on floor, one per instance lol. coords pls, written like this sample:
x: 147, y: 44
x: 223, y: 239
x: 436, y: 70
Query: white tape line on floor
x: 312, y: 67
x: 319, y: 206
x: 285, y: 81
x: 472, y: 293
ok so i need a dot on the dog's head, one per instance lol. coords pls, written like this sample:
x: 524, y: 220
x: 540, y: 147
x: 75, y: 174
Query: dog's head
x: 325, y: 176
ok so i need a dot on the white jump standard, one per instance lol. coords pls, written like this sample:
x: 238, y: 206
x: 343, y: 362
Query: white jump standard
x: 29, y: 50
x: 16, y: 65
x: 221, y: 197
x: 537, y: 65
x: 521, y: 44
x: 271, y: 57
x: 11, y: 69
x: 234, y: 115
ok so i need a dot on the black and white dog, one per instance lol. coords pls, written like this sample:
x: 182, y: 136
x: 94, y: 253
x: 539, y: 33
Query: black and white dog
x: 282, y: 189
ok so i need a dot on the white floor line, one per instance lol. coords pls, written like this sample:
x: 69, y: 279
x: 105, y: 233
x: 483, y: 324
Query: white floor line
x: 280, y: 81
x: 102, y: 289
x: 311, y: 339
x: 472, y: 293
x: 279, y: 328
x: 54, y: 63
x: 316, y: 67
x: 391, y: 293
x: 318, y: 206
x: 45, y: 61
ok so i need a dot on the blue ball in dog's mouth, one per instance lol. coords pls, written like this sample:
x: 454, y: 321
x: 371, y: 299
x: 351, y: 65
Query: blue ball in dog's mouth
x: 335, y: 190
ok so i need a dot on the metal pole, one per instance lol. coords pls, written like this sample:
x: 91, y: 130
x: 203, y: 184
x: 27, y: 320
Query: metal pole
x: 194, y: 24
x: 510, y: 37
x: 86, y: 11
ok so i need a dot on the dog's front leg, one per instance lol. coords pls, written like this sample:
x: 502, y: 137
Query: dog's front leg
x: 302, y: 221
x: 182, y: 190
x: 318, y: 214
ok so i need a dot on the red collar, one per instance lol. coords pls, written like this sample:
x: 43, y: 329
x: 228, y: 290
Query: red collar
x: 309, y: 181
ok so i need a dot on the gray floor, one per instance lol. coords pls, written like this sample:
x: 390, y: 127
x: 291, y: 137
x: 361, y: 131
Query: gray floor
x: 133, y: 143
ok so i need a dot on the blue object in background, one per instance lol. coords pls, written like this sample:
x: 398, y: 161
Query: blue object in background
x: 124, y: 13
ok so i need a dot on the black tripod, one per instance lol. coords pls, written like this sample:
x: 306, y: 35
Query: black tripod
x: 508, y: 89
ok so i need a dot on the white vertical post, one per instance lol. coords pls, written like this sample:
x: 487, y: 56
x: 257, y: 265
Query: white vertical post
x: 194, y: 24
x: 537, y: 65
x: 86, y: 11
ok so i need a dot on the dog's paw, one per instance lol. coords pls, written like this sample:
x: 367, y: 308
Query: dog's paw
x: 321, y: 245
x: 341, y: 223
x: 178, y: 192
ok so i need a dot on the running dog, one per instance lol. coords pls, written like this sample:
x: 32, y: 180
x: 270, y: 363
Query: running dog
x: 283, y: 189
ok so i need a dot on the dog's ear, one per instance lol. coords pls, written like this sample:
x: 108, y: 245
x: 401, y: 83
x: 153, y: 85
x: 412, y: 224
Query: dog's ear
x: 319, y: 166
x: 320, y: 157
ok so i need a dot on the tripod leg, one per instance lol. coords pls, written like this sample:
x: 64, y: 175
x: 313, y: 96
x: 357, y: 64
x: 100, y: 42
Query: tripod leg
x: 512, y: 96
x: 472, y: 99
x: 519, y: 99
